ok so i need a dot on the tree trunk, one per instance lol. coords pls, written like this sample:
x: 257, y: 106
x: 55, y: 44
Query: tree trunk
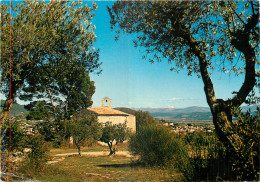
x: 52, y: 104
x: 15, y: 86
x: 220, y: 109
x: 110, y: 148
x: 9, y: 102
x: 115, y: 148
x: 79, y: 150
x: 6, y: 110
x: 222, y: 119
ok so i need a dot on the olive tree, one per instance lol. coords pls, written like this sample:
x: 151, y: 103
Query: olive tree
x: 82, y: 129
x: 199, y: 36
x: 114, y: 132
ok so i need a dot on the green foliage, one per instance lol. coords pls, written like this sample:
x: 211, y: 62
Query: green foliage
x: 207, y: 158
x: 107, y: 132
x: 155, y: 145
x: 17, y: 109
x: 39, y: 110
x: 143, y: 118
x: 35, y: 161
x: 78, y: 90
x: 114, y: 132
x: 163, y: 28
x: 47, y: 130
x: 64, y: 44
x: 54, y: 131
x: 68, y: 92
x: 83, y: 129
x: 198, y: 138
x: 246, y: 161
x: 17, y: 136
x: 34, y: 115
x: 198, y: 156
x: 193, y: 36
x: 64, y: 35
x: 121, y: 133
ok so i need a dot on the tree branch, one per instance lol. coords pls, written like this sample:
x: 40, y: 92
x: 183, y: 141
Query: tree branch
x: 196, y: 49
x: 237, y: 15
x: 241, y: 43
x: 252, y: 6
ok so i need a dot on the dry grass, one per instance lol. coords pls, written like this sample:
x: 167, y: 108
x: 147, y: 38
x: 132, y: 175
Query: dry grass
x: 101, y: 168
x: 116, y: 168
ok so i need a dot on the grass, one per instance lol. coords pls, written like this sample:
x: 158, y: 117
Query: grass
x: 116, y: 168
x: 101, y: 168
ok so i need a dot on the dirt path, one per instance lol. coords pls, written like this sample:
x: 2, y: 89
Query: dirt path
x: 119, y: 153
x: 60, y: 157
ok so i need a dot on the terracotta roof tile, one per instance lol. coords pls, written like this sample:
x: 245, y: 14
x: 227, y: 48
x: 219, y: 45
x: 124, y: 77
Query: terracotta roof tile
x: 107, y: 111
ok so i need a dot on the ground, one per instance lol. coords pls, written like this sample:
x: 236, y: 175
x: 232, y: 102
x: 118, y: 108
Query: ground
x: 96, y: 165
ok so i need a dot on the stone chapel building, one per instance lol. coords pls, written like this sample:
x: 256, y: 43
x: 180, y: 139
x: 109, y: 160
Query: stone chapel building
x: 105, y: 113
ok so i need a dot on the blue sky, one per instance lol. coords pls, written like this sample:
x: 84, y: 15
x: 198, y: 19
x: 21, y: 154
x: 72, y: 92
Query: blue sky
x: 131, y: 81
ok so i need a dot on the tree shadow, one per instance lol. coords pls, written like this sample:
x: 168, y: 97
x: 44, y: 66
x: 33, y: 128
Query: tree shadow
x: 132, y: 165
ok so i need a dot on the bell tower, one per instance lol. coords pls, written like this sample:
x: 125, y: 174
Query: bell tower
x: 106, y: 102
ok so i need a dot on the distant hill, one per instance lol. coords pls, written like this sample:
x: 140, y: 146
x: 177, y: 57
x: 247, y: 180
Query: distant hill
x: 126, y: 110
x: 17, y: 109
x: 190, y: 113
x: 177, y: 110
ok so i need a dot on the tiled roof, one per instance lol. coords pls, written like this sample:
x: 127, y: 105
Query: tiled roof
x: 105, y: 111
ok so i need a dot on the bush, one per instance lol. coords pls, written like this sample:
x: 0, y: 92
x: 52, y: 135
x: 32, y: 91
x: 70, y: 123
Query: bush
x: 204, y: 163
x: 201, y: 156
x: 209, y: 159
x: 246, y: 160
x: 155, y: 145
x: 143, y: 118
x: 36, y: 159
x: 47, y: 130
x: 17, y: 136
x: 198, y: 138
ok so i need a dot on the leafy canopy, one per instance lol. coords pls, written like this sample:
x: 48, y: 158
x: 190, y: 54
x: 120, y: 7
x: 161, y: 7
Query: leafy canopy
x: 199, y: 36
x: 47, y: 40
x: 114, y: 132
x: 161, y: 28
x: 82, y: 129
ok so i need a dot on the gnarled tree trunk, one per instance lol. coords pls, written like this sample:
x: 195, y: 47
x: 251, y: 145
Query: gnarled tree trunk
x: 110, y: 145
x: 222, y: 119
x: 6, y: 110
x: 9, y: 102
x: 79, y: 150
x: 220, y: 109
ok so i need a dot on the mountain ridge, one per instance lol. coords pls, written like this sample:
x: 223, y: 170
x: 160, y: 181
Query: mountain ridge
x: 188, y: 113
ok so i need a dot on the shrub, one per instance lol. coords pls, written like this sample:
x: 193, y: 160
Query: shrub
x: 205, y: 163
x: 143, y: 118
x: 198, y: 138
x: 47, y: 130
x: 246, y: 160
x: 17, y: 136
x: 155, y: 145
x: 209, y: 159
x: 36, y: 159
